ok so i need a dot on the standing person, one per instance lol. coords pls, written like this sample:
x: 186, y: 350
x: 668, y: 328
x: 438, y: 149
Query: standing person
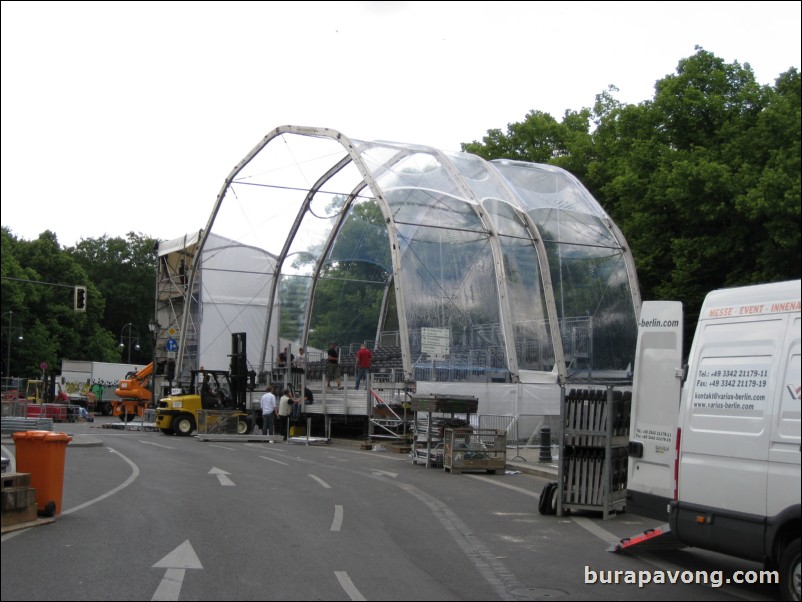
x: 182, y: 273
x: 285, y: 357
x: 300, y: 362
x: 284, y: 411
x: 364, y: 358
x: 269, y: 411
x: 333, y: 366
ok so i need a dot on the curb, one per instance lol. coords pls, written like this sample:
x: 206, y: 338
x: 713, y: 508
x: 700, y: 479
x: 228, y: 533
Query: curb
x: 77, y: 441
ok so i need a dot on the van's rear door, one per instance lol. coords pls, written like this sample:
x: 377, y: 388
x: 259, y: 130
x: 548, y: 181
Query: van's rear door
x: 729, y: 403
x: 656, y: 384
x: 784, y: 448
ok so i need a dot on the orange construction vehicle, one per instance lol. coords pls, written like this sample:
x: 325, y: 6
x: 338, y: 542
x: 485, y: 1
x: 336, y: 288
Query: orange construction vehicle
x: 136, y: 394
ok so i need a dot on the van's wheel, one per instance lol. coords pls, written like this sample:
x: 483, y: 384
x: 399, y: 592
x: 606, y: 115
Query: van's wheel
x: 244, y: 426
x: 789, y: 571
x: 183, y: 425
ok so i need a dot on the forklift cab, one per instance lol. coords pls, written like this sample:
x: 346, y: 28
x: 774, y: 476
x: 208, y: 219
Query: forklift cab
x: 214, y: 388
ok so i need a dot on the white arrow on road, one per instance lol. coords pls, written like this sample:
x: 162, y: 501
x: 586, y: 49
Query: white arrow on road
x: 385, y: 473
x: 221, y: 476
x: 176, y: 562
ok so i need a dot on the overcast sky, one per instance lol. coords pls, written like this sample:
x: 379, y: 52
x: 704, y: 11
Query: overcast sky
x: 128, y: 116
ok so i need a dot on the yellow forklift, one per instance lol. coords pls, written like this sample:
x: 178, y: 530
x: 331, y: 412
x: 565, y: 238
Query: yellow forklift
x: 214, y: 399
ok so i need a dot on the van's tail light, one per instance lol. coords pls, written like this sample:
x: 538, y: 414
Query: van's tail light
x: 676, y: 464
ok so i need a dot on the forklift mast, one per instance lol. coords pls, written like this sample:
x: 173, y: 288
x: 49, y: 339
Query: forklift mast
x: 239, y: 369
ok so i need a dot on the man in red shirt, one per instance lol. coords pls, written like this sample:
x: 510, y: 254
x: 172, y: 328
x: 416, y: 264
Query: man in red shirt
x: 363, y: 359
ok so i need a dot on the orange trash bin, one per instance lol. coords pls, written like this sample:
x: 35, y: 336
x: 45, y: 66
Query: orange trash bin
x: 42, y: 455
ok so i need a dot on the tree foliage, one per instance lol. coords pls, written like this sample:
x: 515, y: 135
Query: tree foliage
x: 124, y: 271
x: 704, y: 179
x: 37, y: 290
x: 353, y: 278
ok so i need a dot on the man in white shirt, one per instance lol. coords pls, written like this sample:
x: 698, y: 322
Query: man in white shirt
x: 269, y: 411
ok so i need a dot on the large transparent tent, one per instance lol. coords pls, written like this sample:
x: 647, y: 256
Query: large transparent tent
x: 499, y: 279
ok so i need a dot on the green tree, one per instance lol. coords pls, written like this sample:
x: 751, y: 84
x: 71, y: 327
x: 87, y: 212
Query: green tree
x: 124, y: 272
x: 38, y: 285
x: 352, y: 280
x: 14, y: 291
x: 704, y: 179
x: 715, y: 191
x: 540, y: 139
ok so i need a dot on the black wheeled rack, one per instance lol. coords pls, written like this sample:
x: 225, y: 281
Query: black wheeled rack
x: 593, y: 450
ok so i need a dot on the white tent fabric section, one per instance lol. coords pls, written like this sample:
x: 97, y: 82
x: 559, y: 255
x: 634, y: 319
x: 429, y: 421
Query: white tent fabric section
x: 229, y: 294
x: 234, y: 298
x: 453, y: 269
x: 179, y: 245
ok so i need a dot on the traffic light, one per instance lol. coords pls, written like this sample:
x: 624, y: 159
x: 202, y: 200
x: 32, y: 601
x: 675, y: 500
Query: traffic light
x: 80, y: 298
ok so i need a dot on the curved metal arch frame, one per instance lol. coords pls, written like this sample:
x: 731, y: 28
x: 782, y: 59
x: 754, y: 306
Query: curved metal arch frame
x: 353, y: 156
x: 500, y: 271
x: 336, y: 168
x: 545, y: 277
x: 319, y: 132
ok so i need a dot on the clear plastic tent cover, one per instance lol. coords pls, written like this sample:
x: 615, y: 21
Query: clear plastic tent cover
x: 455, y: 268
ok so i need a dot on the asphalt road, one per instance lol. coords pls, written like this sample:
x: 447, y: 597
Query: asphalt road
x: 154, y: 517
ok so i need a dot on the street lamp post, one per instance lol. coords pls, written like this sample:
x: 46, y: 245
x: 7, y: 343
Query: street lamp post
x: 154, y: 327
x: 130, y: 339
x: 11, y: 330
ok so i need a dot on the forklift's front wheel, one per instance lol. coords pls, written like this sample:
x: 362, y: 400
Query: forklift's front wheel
x: 183, y: 425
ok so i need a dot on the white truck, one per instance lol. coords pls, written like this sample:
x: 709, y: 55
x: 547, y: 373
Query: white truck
x: 715, y: 445
x: 92, y: 384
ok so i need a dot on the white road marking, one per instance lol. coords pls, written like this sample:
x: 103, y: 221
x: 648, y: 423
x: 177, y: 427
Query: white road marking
x: 337, y: 523
x: 157, y: 444
x: 348, y: 586
x: 222, y: 477
x: 598, y: 531
x: 321, y: 481
x: 176, y: 563
x: 128, y: 481
x: 274, y: 460
x: 502, y: 484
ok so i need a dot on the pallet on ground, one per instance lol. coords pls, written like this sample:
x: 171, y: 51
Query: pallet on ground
x: 17, y: 499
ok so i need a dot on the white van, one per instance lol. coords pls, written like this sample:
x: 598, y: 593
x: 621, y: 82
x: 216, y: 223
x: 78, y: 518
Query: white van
x: 717, y: 444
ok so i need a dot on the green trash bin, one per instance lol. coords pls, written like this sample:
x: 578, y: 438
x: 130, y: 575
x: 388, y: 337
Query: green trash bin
x: 42, y: 455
